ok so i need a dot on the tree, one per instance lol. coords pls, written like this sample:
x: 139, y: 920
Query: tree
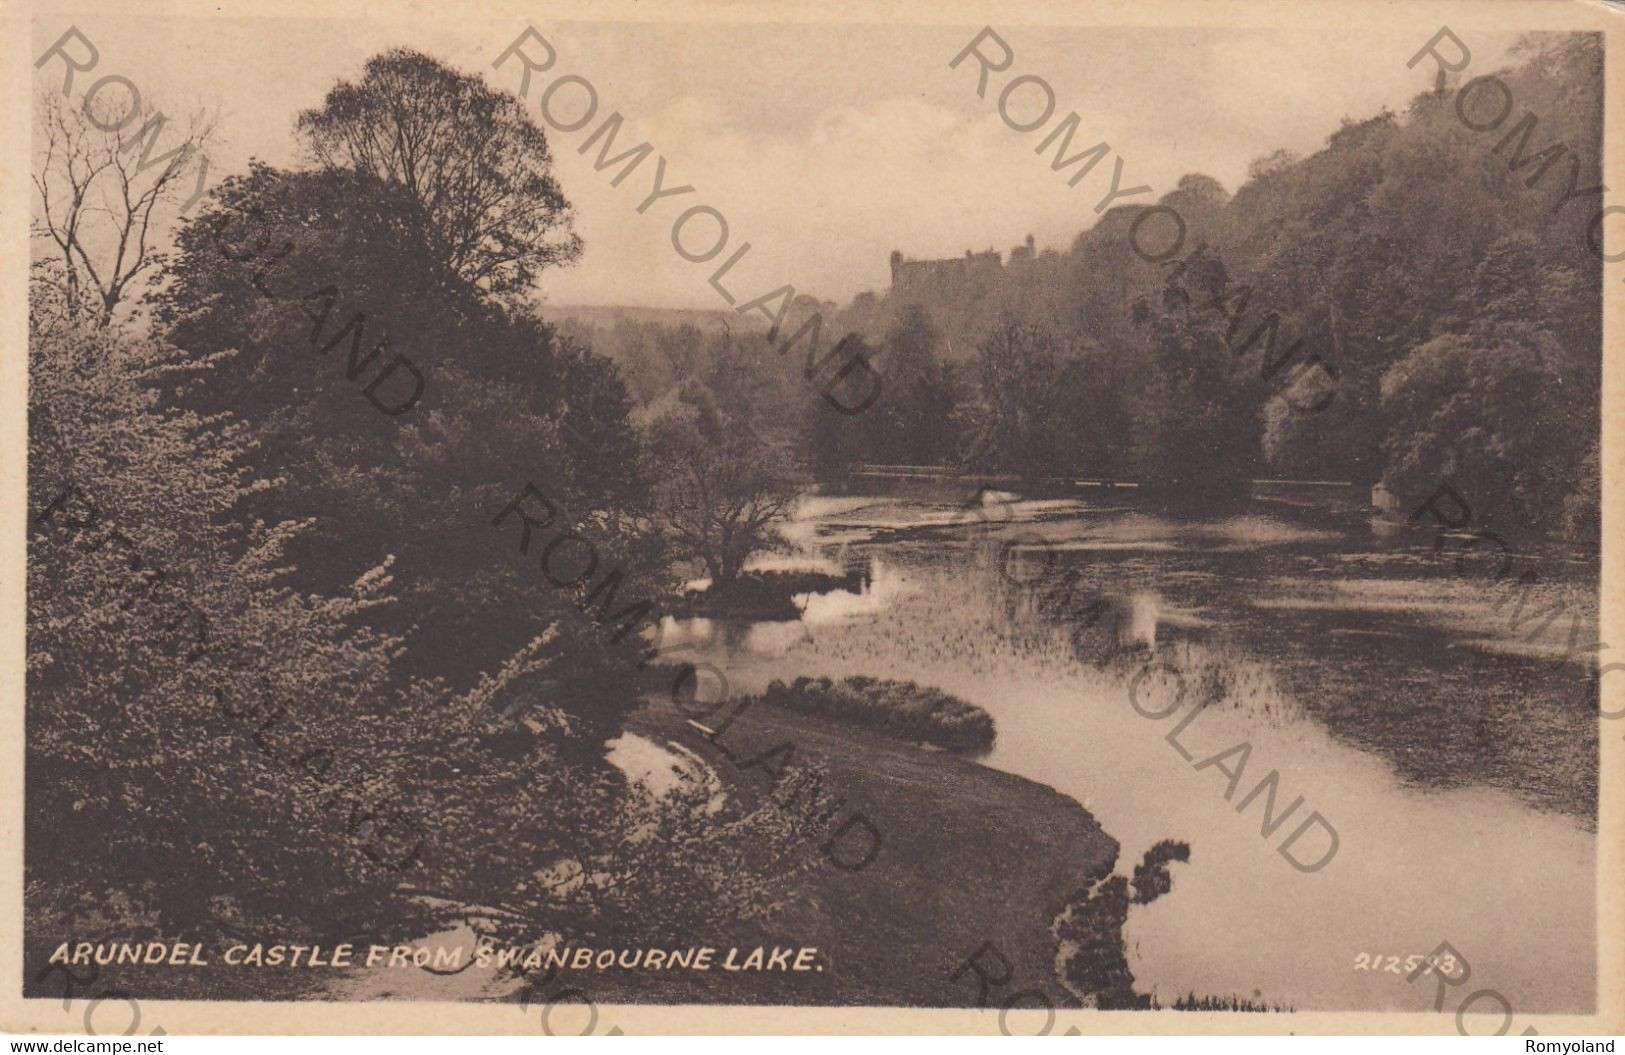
x: 837, y: 443
x: 470, y: 157
x: 584, y: 854
x: 1020, y: 421
x: 314, y: 282
x: 1203, y: 428
x: 718, y: 488
x: 264, y: 745
x: 177, y: 686
x: 913, y: 421
x: 95, y: 207
x: 1403, y: 227
x: 1487, y: 412
x: 267, y: 621
x: 1267, y: 165
x: 1097, y: 431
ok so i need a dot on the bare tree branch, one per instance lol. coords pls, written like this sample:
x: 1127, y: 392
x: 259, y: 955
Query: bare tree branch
x: 97, y: 204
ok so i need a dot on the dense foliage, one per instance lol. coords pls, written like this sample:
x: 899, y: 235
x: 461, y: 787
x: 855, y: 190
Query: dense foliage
x: 470, y: 157
x: 304, y: 276
x: 1365, y: 313
x: 293, y: 636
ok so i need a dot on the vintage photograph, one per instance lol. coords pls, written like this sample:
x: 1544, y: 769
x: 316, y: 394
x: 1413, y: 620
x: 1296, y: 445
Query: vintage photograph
x: 1038, y: 512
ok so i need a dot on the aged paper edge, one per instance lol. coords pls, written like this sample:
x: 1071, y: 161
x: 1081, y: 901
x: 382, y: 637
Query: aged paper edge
x: 425, y: 1018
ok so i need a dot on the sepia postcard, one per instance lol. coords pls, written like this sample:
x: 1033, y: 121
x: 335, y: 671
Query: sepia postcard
x: 698, y: 517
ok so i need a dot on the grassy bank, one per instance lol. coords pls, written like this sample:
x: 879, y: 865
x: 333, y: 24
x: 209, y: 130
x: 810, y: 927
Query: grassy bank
x: 969, y: 855
x: 972, y: 862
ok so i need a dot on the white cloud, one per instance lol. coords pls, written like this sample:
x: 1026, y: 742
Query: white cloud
x: 825, y: 147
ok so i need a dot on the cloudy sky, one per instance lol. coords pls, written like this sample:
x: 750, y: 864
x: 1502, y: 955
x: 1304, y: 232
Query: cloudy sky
x: 824, y: 146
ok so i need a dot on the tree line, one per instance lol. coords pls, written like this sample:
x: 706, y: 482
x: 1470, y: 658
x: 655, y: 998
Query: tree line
x: 1403, y: 307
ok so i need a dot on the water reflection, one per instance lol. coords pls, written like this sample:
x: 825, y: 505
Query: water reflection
x: 1142, y: 624
x: 1460, y: 778
x: 881, y: 588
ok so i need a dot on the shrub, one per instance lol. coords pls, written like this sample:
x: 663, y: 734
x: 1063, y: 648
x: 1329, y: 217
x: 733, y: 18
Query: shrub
x: 183, y: 701
x: 898, y: 708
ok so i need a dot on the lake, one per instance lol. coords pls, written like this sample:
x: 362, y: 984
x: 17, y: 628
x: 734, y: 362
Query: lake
x: 1160, y: 666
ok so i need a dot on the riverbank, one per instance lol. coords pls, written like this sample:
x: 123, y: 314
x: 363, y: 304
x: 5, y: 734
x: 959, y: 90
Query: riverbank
x: 972, y: 866
x: 968, y: 855
x: 1388, y: 692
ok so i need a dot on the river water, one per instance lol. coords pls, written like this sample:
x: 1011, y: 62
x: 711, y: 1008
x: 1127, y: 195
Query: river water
x: 1444, y: 738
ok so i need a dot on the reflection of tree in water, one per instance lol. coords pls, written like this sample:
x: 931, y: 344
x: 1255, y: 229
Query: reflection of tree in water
x: 1151, y: 878
x: 1119, y: 633
x: 1092, y: 962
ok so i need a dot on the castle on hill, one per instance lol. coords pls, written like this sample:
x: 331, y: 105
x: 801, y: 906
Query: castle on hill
x: 927, y: 281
